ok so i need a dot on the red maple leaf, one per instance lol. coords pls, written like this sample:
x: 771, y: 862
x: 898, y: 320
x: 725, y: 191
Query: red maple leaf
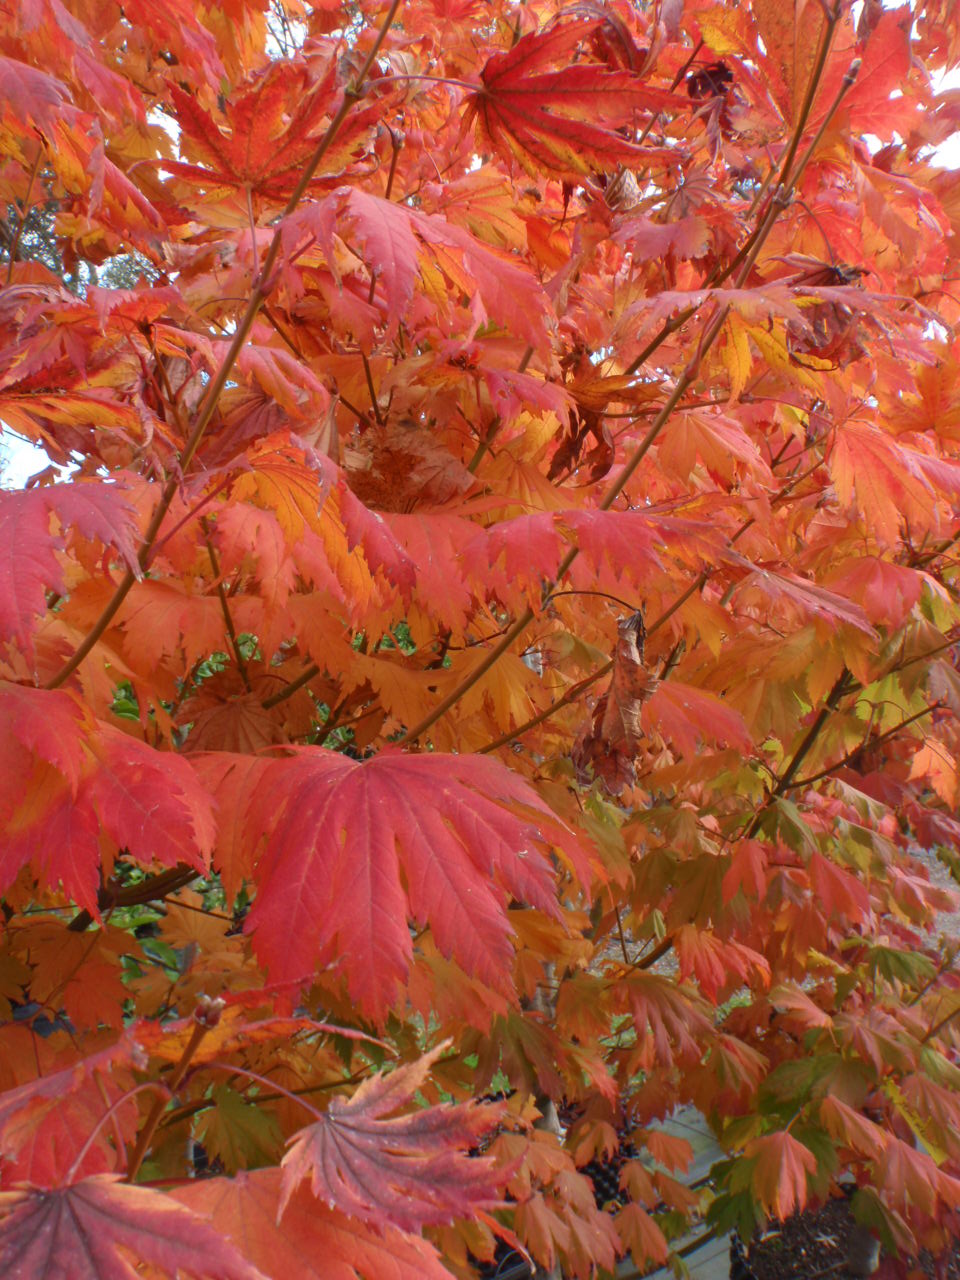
x: 310, y: 1241
x: 564, y: 121
x: 44, y: 1124
x: 780, y: 1169
x: 28, y: 560
x: 33, y: 96
x: 91, y: 1231
x: 351, y: 851
x: 411, y: 1169
x: 84, y: 780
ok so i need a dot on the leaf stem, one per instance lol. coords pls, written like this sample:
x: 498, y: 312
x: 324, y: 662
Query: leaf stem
x: 201, y: 1026
x: 938, y: 1026
x: 206, y: 1015
x: 108, y: 1114
x: 371, y: 390
x: 264, y: 1080
x: 202, y: 1104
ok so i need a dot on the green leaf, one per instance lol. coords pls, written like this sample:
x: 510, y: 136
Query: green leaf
x: 907, y: 967
x: 240, y: 1134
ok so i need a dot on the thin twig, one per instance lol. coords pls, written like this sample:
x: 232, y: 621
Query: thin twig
x: 293, y: 687
x: 868, y: 745
x: 371, y: 389
x: 15, y: 243
x: 233, y: 1069
x: 108, y: 1115
x: 225, y: 606
x: 148, y: 890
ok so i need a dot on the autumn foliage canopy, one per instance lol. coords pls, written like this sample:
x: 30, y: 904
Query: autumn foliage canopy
x: 486, y: 649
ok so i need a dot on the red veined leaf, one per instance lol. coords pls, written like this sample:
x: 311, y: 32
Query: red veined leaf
x: 496, y: 287
x: 44, y: 1124
x: 395, y: 237
x: 909, y: 1177
x: 748, y: 869
x: 32, y: 95
x: 412, y: 1170
x: 765, y: 587
x: 850, y: 1127
x: 563, y: 121
x: 840, y: 892
x: 352, y: 851
x: 720, y: 444
x: 181, y: 29
x: 935, y: 762
x: 386, y: 231
x: 872, y: 106
x: 93, y: 1229
x: 529, y: 546
x: 311, y: 1241
x: 272, y: 126
x: 887, y: 592
x: 669, y: 1014
x: 641, y: 1235
x: 799, y: 1006
x: 688, y: 716
x: 894, y: 485
x: 279, y: 375
x: 668, y: 1149
x: 780, y: 1170
x: 368, y: 529
x: 81, y: 779
x: 622, y: 539
x: 686, y: 237
x: 28, y: 560
x: 716, y: 964
x: 433, y: 542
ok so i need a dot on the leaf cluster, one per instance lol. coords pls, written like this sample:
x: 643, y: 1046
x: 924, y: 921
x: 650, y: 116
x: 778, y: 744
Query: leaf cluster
x: 489, y: 628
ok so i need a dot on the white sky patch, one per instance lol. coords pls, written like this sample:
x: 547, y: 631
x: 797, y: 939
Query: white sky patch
x: 19, y: 460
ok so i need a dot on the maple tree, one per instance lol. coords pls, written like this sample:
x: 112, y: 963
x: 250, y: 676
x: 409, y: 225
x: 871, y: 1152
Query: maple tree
x: 490, y: 630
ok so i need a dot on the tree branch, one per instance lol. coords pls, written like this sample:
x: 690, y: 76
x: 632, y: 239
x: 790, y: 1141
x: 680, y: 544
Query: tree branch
x: 15, y: 243
x: 867, y: 745
x: 149, y: 890
x: 215, y: 388
x: 697, y: 585
x: 293, y: 687
x: 707, y: 340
